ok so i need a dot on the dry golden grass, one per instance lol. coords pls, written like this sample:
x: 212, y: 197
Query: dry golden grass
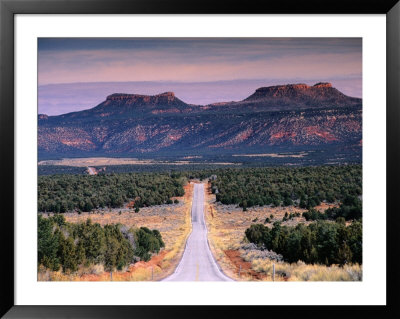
x: 106, y: 161
x: 275, y: 155
x: 227, y: 224
x: 302, y: 272
x: 173, y: 222
x: 220, y: 237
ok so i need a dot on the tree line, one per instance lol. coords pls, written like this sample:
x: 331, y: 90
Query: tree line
x: 66, y: 246
x: 305, y: 186
x: 63, y: 193
x: 323, y: 242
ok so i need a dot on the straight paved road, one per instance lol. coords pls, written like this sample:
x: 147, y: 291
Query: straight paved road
x: 197, y: 262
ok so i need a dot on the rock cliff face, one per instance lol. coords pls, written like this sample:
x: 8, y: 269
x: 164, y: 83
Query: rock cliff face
x: 166, y: 97
x: 323, y: 85
x: 294, y: 91
x: 156, y: 104
x: 285, y: 115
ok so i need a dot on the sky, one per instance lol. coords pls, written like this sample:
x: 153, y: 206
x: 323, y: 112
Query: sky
x: 78, y: 73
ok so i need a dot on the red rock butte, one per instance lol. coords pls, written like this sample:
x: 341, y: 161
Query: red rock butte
x: 299, y: 86
x: 145, y: 98
x: 291, y: 90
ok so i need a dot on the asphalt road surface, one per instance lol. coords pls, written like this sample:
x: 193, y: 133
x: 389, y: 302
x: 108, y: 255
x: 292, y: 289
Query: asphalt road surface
x: 197, y: 262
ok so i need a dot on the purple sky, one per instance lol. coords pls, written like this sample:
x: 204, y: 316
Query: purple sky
x: 76, y: 74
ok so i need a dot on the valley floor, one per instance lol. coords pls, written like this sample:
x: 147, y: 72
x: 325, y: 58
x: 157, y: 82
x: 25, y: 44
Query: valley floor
x: 226, y: 226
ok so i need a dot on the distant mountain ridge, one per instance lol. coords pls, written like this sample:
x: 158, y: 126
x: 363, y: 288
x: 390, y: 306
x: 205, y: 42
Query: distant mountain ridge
x: 319, y: 91
x: 298, y: 96
x: 293, y: 114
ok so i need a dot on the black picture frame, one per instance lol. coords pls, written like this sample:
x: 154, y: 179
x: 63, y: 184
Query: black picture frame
x: 9, y: 8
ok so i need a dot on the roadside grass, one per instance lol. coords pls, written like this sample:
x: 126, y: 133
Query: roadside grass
x: 177, y: 239
x: 302, y: 272
x: 219, y: 238
x: 91, y: 273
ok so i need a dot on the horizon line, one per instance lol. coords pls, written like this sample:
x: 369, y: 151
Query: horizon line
x: 352, y: 76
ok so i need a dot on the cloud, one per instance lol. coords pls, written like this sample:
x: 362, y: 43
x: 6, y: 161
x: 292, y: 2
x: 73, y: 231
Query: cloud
x: 139, y: 68
x: 75, y: 60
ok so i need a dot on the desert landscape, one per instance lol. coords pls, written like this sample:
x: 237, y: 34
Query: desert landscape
x: 200, y: 159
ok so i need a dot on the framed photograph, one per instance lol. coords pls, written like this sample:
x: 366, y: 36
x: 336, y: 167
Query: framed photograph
x: 176, y: 159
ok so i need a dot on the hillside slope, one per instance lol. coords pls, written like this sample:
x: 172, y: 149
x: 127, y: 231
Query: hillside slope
x: 286, y: 116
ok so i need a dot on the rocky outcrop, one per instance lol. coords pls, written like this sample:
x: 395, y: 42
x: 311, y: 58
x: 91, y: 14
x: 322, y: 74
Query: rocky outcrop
x: 167, y: 96
x: 289, y: 90
x: 296, y: 91
x: 322, y: 85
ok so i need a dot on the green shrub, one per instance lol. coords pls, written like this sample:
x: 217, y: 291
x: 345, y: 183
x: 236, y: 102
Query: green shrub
x: 314, y: 214
x: 322, y: 242
x: 147, y: 241
x: 69, y: 245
